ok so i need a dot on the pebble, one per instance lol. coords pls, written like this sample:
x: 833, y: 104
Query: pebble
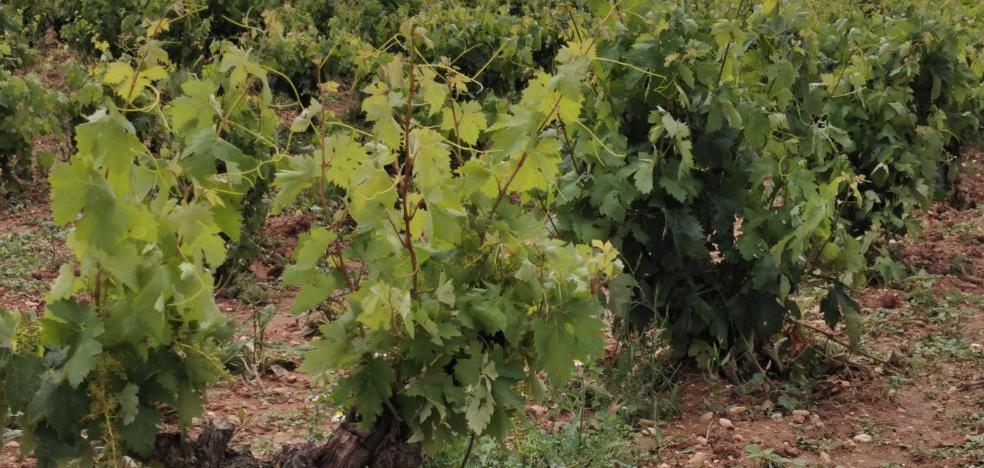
x: 825, y: 457
x: 736, y: 410
x: 862, y: 438
x: 799, y: 416
x: 737, y: 438
x: 776, y: 416
x: 12, y: 444
x: 726, y: 423
x: 767, y: 405
x: 697, y: 459
x: 701, y: 440
x: 706, y: 417
x: 536, y: 410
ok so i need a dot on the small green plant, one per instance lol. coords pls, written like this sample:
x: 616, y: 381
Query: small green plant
x: 768, y: 458
x: 972, y: 449
x: 959, y: 263
x: 603, y: 440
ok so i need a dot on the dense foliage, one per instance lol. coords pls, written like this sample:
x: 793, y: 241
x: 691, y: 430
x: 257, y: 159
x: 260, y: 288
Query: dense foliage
x: 131, y: 324
x: 464, y: 295
x: 746, y: 150
x: 25, y: 104
x: 477, y: 198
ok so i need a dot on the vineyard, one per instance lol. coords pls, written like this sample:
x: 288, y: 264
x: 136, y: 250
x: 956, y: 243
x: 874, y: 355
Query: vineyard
x: 586, y: 233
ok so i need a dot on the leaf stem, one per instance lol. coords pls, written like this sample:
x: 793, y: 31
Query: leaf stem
x: 468, y: 451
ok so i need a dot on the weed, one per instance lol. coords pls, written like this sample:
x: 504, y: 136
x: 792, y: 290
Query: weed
x: 604, y: 441
x: 959, y: 263
x: 972, y: 449
x: 869, y: 427
x: 920, y: 289
x: 934, y: 348
x: 768, y: 458
x: 642, y: 376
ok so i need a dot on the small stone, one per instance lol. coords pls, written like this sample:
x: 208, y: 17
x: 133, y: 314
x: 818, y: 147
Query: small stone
x: 776, y: 416
x: 768, y: 405
x: 701, y: 440
x: 706, y: 417
x: 799, y: 416
x: 664, y: 465
x: 12, y: 444
x: 536, y: 410
x: 726, y: 423
x: 790, y: 451
x: 862, y: 438
x: 697, y: 459
x: 736, y: 410
x: 801, y: 412
x: 825, y: 457
x: 647, y: 422
x: 233, y: 419
x: 737, y: 438
x: 291, y: 378
x: 279, y: 371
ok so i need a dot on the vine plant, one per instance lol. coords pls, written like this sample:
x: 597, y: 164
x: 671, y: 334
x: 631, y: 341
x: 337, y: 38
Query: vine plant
x: 458, y: 297
x: 131, y: 330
